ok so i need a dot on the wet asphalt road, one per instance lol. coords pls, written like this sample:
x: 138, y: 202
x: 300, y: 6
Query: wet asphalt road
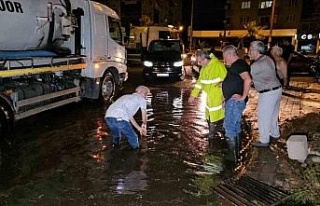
x: 63, y: 157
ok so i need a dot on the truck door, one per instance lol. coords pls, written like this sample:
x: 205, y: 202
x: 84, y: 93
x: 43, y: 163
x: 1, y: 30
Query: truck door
x: 100, y: 43
x: 116, y: 49
x: 108, y: 39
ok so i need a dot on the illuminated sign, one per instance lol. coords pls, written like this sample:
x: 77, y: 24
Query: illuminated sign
x: 306, y: 36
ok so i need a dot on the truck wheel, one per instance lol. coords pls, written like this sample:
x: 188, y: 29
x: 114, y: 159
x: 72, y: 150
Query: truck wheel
x: 108, y: 87
x: 5, y: 125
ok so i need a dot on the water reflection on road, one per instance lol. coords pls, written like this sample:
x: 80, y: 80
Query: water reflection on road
x: 63, y: 157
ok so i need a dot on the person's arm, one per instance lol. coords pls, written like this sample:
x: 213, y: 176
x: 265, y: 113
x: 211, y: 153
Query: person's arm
x: 290, y: 54
x: 284, y: 70
x: 290, y: 57
x: 142, y: 129
x: 135, y: 124
x: 246, y: 86
x: 196, y: 90
x: 144, y: 118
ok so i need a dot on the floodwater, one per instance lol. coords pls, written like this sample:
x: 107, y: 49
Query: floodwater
x: 63, y: 157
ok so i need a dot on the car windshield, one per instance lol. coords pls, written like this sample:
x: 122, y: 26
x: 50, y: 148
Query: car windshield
x: 160, y: 46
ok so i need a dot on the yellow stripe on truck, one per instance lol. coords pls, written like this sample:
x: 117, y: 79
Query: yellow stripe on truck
x: 29, y: 71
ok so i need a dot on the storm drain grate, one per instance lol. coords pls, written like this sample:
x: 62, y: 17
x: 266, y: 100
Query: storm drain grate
x: 248, y: 191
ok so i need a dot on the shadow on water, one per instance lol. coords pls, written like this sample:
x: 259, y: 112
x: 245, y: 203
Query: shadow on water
x: 63, y: 157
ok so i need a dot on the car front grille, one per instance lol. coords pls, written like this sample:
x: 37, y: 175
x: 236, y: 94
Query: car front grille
x: 161, y: 64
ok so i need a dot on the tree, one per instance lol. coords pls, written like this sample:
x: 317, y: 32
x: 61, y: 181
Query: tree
x: 254, y: 31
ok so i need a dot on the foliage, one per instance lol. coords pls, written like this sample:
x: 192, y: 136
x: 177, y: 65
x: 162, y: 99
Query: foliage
x: 212, y: 159
x: 310, y: 193
x: 146, y: 21
x: 201, y: 44
x: 205, y: 184
x: 213, y: 165
x: 208, y: 178
x: 254, y: 31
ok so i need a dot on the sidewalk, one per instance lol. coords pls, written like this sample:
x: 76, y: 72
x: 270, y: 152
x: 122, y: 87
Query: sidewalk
x: 267, y: 164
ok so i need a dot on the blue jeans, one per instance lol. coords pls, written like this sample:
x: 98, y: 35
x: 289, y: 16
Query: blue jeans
x: 233, y: 115
x: 118, y: 127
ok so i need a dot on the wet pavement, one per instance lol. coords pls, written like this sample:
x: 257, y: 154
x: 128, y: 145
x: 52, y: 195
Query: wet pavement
x: 63, y: 157
x: 303, y: 98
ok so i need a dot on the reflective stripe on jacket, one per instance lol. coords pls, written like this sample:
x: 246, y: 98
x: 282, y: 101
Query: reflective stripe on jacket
x: 208, y: 82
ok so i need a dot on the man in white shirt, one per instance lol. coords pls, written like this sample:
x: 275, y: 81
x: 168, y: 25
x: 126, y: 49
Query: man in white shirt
x: 119, y: 117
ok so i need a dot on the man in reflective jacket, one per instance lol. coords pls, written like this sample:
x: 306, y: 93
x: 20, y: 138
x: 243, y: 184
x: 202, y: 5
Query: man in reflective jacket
x: 212, y: 74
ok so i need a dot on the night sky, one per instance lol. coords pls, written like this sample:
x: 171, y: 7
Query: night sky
x: 207, y: 15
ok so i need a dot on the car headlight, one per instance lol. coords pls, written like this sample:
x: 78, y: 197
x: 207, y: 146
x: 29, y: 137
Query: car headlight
x: 148, y: 63
x: 178, y: 64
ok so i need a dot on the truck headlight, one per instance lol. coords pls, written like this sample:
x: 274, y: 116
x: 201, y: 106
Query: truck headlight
x: 178, y: 64
x: 147, y: 63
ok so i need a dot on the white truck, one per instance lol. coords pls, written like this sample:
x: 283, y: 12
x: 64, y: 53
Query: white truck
x: 141, y: 36
x: 56, y: 52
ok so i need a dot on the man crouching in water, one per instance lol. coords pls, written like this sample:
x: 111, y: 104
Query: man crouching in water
x: 119, y: 117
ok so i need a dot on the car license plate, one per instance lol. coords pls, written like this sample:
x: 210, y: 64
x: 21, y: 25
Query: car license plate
x: 162, y: 75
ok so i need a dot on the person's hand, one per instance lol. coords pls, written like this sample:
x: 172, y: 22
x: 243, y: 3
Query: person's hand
x: 238, y: 97
x: 143, y: 130
x: 191, y: 100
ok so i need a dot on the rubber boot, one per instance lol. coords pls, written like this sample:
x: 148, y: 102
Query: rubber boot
x: 232, y: 150
x: 238, y: 146
x: 210, y: 149
x: 212, y: 130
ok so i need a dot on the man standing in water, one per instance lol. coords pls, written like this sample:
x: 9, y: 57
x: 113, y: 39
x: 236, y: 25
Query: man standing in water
x: 119, y: 117
x: 235, y: 89
x: 212, y: 73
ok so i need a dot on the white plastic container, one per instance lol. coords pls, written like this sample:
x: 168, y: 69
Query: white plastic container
x: 297, y: 146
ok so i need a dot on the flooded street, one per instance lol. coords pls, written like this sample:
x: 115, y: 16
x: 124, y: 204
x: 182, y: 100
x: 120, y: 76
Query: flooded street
x: 63, y: 157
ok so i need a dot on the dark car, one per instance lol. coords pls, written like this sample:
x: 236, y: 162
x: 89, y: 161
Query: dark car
x: 300, y: 64
x: 163, y: 59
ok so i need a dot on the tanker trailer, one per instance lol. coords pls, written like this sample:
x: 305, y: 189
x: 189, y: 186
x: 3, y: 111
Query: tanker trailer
x: 57, y: 52
x: 25, y: 26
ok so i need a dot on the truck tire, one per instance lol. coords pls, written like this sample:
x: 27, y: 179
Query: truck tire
x: 108, y: 87
x: 5, y: 124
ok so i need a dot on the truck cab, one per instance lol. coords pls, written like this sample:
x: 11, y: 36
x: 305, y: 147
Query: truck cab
x: 57, y: 53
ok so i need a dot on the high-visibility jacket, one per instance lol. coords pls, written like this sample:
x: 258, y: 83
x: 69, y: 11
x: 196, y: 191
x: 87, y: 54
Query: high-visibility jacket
x: 209, y: 82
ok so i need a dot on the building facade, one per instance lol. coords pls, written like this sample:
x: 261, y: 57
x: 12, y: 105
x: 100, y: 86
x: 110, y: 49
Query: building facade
x: 223, y: 20
x: 278, y: 19
x: 309, y: 30
x: 148, y: 12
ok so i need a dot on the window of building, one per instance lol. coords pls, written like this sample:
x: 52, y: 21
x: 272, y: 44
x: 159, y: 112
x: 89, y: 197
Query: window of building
x: 244, y: 19
x: 264, y: 20
x: 245, y: 4
x: 291, y: 18
x: 265, y: 4
x: 293, y: 2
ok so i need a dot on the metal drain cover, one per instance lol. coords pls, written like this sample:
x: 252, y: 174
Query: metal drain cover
x: 248, y: 191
